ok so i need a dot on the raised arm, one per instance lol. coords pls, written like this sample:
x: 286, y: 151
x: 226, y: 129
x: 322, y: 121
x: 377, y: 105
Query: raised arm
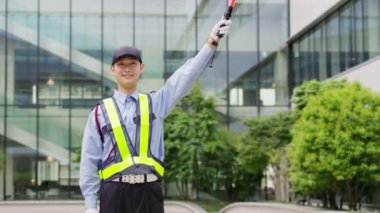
x: 183, y: 80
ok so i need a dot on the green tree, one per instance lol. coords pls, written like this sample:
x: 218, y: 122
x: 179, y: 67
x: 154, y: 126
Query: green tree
x: 218, y: 167
x: 279, y: 160
x: 263, y: 145
x: 301, y: 95
x: 336, y: 145
x: 189, y: 130
x: 252, y: 159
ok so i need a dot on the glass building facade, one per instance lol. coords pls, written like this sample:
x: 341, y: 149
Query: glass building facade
x: 346, y: 37
x: 54, y: 67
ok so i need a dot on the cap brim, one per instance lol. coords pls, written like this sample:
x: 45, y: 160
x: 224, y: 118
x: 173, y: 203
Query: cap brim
x: 126, y: 55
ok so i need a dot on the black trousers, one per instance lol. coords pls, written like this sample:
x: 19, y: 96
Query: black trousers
x: 118, y: 197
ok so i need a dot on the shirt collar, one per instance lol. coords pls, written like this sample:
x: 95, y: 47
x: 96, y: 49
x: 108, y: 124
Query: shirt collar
x: 122, y: 97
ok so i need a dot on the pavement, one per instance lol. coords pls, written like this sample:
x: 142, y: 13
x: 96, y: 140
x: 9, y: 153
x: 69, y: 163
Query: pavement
x: 170, y: 207
x: 78, y: 207
x: 256, y: 207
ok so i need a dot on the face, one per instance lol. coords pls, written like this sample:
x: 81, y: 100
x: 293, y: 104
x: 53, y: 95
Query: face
x: 127, y: 71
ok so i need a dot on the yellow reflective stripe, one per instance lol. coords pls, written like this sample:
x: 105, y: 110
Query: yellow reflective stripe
x: 144, y: 136
x: 117, y: 129
x: 150, y: 162
x: 160, y: 169
x: 115, y: 168
x: 144, y: 125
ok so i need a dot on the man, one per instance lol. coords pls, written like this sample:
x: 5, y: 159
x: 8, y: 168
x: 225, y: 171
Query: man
x: 122, y: 159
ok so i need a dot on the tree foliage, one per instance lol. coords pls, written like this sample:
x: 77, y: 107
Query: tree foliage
x: 263, y: 144
x: 308, y: 89
x: 189, y: 131
x: 201, y: 152
x: 219, y: 166
x: 336, y: 141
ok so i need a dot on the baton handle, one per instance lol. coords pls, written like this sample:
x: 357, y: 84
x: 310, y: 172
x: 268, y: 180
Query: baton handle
x: 227, y: 14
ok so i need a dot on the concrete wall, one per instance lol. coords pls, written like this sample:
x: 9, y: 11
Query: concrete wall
x: 303, y: 12
x: 367, y: 73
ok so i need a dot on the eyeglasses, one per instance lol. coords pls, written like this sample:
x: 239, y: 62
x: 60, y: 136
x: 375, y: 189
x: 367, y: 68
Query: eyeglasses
x: 130, y: 66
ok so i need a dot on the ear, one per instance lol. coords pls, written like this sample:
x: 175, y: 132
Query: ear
x: 142, y: 68
x: 112, y: 69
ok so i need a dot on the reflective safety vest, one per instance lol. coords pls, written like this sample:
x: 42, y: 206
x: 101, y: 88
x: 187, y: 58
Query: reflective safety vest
x: 119, y: 135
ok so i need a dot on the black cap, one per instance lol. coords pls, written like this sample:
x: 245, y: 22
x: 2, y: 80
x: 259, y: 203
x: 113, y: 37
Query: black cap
x: 126, y: 51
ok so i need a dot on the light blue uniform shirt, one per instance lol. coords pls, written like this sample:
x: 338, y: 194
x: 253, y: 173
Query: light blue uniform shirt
x: 94, y: 151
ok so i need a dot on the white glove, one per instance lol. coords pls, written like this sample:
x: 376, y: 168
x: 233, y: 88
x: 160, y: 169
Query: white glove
x: 221, y: 29
x: 91, y: 211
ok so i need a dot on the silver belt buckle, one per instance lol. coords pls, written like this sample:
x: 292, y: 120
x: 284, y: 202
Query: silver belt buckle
x: 151, y: 178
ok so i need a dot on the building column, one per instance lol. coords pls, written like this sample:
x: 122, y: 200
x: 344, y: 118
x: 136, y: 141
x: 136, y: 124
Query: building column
x: 10, y: 73
x: 2, y: 95
x: 280, y: 77
x: 9, y: 177
x: 2, y: 69
x: 1, y: 184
